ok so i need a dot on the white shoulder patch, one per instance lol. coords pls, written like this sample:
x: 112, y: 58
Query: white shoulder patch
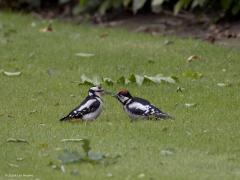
x: 86, y: 105
x: 99, y: 99
x: 136, y: 105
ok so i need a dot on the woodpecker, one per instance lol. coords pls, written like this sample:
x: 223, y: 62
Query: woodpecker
x: 137, y: 108
x: 90, y: 108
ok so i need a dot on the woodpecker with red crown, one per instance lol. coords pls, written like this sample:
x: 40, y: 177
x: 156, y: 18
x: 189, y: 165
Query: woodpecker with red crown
x: 137, y: 107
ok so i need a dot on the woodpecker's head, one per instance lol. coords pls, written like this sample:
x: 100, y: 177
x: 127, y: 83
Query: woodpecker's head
x: 123, y: 96
x: 96, y: 90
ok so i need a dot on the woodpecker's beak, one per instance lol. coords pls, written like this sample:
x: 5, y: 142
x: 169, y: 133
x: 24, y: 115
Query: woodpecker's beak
x: 102, y: 92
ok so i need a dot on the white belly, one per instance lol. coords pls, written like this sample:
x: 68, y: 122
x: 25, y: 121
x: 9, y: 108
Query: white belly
x: 93, y: 115
x: 131, y: 115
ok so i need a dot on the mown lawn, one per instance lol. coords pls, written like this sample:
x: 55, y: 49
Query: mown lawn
x: 202, y: 143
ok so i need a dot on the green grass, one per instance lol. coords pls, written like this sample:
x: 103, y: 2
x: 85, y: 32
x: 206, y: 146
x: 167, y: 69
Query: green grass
x: 205, y: 138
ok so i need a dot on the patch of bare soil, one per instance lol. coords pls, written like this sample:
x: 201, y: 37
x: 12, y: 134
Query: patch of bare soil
x: 165, y: 23
x: 183, y: 25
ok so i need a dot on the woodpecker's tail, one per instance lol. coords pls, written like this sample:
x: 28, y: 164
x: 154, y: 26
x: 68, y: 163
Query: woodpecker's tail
x: 66, y: 118
x: 164, y: 116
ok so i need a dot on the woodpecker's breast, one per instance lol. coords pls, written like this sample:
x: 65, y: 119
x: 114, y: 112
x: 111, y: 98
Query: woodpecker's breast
x: 93, y: 115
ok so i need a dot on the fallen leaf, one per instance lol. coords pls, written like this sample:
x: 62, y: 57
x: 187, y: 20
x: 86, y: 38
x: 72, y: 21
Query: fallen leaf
x: 19, y: 159
x: 54, y: 166
x: 168, y: 152
x: 205, y: 130
x: 180, y: 89
x: 87, y: 157
x: 33, y: 111
x: 193, y: 58
x: 86, y: 145
x: 33, y: 24
x: 188, y: 133
x: 136, y: 79
x: 123, y: 80
x: 108, y: 81
x: 13, y: 165
x: 88, y: 81
x: 84, y: 54
x: 18, y: 140
x: 223, y: 84
x: 193, y: 75
x: 69, y: 157
x: 142, y: 175
x: 96, y: 156
x: 158, y: 79
x: 109, y: 174
x: 103, y: 35
x: 10, y: 74
x: 47, y: 29
x: 188, y: 105
x: 133, y: 78
x: 58, y: 148
x: 175, y: 78
x: 62, y: 168
x: 167, y: 42
x: 72, y: 140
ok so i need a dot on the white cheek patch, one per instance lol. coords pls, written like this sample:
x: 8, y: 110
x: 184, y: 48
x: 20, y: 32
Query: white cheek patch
x: 90, y: 94
x: 123, y: 99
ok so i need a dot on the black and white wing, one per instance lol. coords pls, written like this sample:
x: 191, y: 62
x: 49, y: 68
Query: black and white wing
x: 88, y: 106
x: 140, y: 100
x: 138, y: 107
x: 154, y: 112
x: 142, y: 107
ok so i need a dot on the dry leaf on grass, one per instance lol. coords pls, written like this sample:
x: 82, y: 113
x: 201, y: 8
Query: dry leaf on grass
x: 47, y: 29
x: 10, y: 74
x: 193, y: 58
x: 84, y: 54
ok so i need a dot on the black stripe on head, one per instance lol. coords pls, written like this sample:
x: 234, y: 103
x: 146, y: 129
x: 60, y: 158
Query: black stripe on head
x: 124, y: 96
x: 95, y: 90
x: 124, y: 93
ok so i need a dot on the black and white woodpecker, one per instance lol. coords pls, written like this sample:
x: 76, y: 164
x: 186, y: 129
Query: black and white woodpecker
x: 90, y: 108
x: 137, y: 108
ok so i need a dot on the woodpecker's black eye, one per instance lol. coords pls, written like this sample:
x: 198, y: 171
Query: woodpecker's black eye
x: 99, y: 89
